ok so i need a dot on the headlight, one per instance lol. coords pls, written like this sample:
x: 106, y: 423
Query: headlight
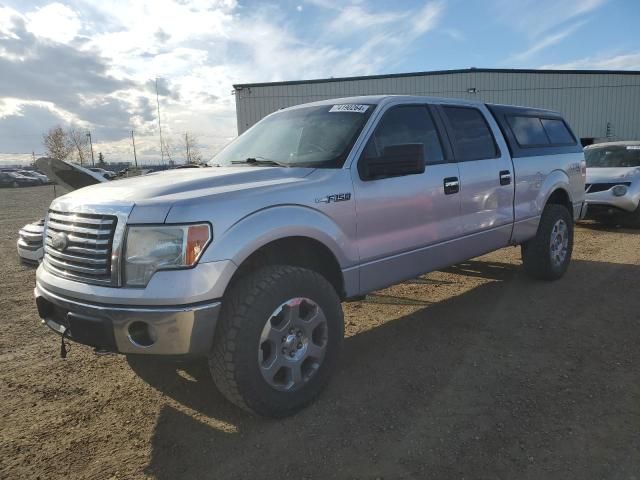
x: 149, y: 249
x: 619, y: 190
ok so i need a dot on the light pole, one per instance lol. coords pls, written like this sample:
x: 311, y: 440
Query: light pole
x: 135, y: 157
x: 159, y: 124
x: 93, y: 163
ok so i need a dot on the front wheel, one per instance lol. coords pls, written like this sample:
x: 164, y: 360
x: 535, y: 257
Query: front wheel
x: 547, y: 255
x: 280, y: 333
x: 632, y: 219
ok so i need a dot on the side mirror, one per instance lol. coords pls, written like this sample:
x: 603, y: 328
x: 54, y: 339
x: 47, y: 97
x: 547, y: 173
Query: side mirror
x: 396, y: 160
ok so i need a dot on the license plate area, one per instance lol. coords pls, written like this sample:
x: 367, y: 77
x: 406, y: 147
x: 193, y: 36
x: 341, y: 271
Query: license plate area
x: 82, y: 328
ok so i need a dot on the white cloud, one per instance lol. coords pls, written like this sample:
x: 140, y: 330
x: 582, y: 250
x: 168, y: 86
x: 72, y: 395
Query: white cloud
x: 198, y: 48
x: 354, y: 18
x: 629, y: 61
x: 543, y: 22
x: 55, y: 21
x: 536, y: 17
x: 546, y: 41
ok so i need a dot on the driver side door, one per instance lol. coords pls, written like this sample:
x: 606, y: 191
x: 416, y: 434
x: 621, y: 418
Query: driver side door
x: 399, y: 218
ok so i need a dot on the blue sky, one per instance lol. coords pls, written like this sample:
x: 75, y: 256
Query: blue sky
x: 92, y: 64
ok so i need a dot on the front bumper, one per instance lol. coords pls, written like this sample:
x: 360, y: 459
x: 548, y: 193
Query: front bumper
x: 627, y: 202
x: 181, y: 330
x: 29, y: 255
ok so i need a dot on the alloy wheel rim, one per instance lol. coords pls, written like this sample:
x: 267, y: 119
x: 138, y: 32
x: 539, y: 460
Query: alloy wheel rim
x: 559, y: 243
x: 293, y: 344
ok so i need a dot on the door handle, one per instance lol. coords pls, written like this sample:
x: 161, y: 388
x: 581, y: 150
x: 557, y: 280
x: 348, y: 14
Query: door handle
x: 451, y: 185
x: 505, y: 177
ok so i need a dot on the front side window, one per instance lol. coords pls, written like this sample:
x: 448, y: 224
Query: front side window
x: 406, y: 125
x: 472, y: 137
x: 613, y: 156
x: 320, y: 136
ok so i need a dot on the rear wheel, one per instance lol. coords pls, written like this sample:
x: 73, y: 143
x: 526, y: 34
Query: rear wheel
x: 548, y: 254
x: 278, y: 340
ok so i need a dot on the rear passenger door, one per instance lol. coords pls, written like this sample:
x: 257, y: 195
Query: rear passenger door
x: 486, y: 175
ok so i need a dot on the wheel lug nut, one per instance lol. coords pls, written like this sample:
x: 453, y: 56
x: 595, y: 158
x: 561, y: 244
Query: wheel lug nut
x: 299, y: 346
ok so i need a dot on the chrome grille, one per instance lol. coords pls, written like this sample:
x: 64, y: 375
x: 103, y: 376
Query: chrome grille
x: 84, y: 247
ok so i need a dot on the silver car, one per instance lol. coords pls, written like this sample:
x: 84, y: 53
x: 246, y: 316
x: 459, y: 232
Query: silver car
x: 613, y: 182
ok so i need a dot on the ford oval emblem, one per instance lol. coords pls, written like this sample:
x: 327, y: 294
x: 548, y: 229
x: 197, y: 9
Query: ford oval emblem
x: 59, y: 241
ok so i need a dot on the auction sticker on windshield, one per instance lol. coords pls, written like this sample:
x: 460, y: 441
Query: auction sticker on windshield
x: 348, y: 107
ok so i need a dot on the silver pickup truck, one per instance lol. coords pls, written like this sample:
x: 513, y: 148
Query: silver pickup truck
x: 247, y: 262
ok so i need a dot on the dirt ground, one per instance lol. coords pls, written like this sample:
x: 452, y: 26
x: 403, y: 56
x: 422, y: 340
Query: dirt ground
x: 474, y: 372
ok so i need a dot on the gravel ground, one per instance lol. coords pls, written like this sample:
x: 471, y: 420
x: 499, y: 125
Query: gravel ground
x: 473, y: 372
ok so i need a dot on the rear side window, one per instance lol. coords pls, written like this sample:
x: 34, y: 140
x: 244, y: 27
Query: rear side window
x: 472, y: 137
x: 558, y: 132
x: 528, y: 131
x: 406, y: 125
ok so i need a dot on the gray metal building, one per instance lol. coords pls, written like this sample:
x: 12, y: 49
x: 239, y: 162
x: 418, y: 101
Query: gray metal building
x: 599, y: 104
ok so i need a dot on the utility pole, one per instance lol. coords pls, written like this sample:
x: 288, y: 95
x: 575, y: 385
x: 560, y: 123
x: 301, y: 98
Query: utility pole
x: 186, y: 141
x: 93, y: 162
x: 33, y: 156
x: 159, y: 123
x: 135, y: 158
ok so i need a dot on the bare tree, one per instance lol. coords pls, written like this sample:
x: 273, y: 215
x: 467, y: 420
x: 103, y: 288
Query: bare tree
x: 192, y: 152
x: 56, y: 143
x: 79, y: 143
x: 167, y: 146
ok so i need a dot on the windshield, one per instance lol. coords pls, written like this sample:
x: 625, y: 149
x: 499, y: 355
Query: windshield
x: 613, y: 156
x: 304, y: 137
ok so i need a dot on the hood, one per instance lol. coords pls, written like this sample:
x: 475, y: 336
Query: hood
x: 611, y: 175
x: 172, y: 186
x: 69, y: 175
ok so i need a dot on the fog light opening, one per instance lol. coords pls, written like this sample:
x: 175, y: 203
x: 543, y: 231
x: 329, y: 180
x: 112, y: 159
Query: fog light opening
x: 620, y: 190
x: 141, y: 334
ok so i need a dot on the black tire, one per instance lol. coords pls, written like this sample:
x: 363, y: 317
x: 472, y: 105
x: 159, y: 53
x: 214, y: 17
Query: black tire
x: 537, y: 253
x: 632, y: 219
x: 246, y: 308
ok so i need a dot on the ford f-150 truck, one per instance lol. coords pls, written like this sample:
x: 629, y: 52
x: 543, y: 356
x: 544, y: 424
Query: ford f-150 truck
x: 247, y: 262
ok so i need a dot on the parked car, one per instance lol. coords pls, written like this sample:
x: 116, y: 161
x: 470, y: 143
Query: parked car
x: 109, y: 175
x: 14, y: 179
x: 248, y: 263
x: 42, y: 179
x: 192, y: 165
x: 30, y: 243
x: 613, y: 182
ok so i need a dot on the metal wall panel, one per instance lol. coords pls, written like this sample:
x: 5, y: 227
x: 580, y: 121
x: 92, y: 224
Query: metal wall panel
x: 589, y: 101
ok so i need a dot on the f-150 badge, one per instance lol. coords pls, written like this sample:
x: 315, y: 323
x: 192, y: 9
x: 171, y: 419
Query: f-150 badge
x: 336, y: 197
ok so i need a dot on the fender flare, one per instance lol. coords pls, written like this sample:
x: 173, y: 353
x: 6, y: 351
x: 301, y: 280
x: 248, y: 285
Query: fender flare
x: 556, y: 180
x: 278, y: 222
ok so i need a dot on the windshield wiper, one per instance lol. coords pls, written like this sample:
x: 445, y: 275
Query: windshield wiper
x: 259, y: 161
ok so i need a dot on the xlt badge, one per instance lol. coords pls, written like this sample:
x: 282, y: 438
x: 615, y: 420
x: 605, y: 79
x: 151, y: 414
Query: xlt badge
x: 336, y: 197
